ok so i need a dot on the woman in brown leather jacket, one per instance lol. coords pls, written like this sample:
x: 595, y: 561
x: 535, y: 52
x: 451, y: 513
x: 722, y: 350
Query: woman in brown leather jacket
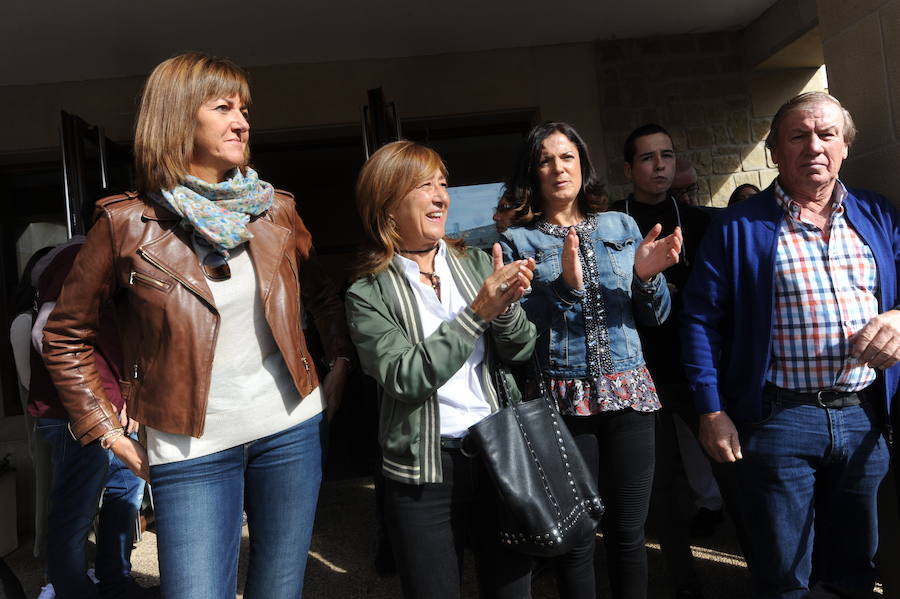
x: 207, y: 264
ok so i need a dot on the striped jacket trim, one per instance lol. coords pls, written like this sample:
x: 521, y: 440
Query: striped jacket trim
x: 429, y: 422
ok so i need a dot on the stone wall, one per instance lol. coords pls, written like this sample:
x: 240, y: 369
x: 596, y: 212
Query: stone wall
x: 861, y: 40
x: 696, y: 87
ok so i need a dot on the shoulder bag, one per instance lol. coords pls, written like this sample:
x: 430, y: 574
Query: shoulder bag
x: 548, y: 500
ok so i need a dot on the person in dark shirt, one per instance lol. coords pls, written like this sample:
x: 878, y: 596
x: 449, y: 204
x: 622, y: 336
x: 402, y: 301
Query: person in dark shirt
x: 650, y: 164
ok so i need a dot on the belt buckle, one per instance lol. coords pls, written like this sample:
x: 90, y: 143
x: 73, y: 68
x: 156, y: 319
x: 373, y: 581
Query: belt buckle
x: 471, y: 452
x: 819, y: 401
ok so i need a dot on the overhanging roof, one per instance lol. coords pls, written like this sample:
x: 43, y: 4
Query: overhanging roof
x: 61, y: 40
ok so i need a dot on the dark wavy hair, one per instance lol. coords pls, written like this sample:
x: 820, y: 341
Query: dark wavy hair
x: 523, y: 189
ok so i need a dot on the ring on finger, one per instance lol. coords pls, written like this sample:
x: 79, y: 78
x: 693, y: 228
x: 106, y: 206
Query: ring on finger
x: 503, y: 287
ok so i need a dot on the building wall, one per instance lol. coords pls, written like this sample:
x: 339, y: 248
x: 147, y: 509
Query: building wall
x: 861, y: 40
x: 332, y: 93
x: 695, y: 86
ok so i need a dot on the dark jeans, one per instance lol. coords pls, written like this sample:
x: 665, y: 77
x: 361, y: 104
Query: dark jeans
x: 81, y: 476
x: 619, y: 449
x: 810, y: 477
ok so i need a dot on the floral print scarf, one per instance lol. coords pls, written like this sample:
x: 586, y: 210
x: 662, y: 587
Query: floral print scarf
x: 218, y: 213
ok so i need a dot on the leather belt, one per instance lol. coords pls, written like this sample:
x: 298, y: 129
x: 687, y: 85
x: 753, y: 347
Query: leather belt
x: 828, y: 398
x: 460, y: 444
x: 452, y: 442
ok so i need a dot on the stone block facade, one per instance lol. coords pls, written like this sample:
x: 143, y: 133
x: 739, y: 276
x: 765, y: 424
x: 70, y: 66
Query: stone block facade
x: 694, y: 86
x: 861, y: 40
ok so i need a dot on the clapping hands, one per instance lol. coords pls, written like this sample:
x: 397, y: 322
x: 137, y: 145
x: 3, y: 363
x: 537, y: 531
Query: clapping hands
x: 506, y: 285
x: 655, y: 255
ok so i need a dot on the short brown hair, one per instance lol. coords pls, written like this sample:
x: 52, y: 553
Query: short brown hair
x: 167, y: 118
x: 387, y: 177
x: 805, y: 101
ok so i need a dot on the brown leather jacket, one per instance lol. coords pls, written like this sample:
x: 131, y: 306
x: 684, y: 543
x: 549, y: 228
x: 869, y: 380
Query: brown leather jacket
x: 138, y: 256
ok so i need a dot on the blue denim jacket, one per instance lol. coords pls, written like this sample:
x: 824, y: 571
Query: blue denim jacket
x: 592, y: 332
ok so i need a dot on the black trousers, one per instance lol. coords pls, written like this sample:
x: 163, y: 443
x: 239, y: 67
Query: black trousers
x: 429, y: 526
x: 671, y: 504
x: 619, y: 449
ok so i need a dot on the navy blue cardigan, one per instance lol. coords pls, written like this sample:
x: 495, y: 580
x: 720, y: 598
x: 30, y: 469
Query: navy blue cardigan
x: 729, y: 298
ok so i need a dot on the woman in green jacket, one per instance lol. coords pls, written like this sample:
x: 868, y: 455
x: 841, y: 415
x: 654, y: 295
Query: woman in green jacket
x: 431, y: 319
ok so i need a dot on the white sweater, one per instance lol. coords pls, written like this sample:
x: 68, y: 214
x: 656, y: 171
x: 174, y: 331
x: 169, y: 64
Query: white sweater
x: 252, y: 394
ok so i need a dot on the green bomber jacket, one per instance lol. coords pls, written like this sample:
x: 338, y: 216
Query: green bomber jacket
x: 409, y: 368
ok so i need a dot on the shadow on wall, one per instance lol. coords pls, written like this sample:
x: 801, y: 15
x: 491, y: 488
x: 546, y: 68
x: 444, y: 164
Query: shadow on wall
x: 695, y: 86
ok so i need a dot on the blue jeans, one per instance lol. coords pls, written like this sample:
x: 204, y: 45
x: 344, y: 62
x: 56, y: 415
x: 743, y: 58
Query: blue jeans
x: 81, y: 475
x: 809, y: 477
x: 199, y: 502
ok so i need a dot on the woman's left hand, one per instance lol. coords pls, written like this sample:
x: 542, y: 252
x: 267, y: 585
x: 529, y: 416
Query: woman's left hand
x: 655, y: 255
x: 333, y: 387
x: 130, y: 425
x: 506, y: 285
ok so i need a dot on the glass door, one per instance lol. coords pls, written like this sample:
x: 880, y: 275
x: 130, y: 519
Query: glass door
x: 93, y: 166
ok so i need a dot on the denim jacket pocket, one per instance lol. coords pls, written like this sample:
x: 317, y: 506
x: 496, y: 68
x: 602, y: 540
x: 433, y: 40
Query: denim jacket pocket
x: 547, y: 264
x: 621, y: 255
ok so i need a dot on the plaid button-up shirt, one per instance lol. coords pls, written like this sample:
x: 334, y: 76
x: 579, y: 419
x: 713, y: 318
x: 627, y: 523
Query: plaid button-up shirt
x: 825, y: 291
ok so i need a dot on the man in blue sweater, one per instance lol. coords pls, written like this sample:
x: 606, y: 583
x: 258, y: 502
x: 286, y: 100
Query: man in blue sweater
x: 791, y: 342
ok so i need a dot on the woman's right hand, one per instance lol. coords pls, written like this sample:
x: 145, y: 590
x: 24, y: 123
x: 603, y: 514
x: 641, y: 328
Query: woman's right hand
x: 571, y: 263
x: 507, y: 284
x: 132, y: 454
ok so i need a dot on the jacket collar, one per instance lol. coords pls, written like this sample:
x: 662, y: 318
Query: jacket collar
x: 153, y: 210
x: 270, y: 245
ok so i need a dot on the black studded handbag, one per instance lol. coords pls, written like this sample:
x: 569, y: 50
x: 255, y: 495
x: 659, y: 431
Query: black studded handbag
x: 548, y: 500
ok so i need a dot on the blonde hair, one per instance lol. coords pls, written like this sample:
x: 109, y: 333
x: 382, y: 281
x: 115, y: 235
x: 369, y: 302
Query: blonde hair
x: 386, y: 178
x: 167, y: 117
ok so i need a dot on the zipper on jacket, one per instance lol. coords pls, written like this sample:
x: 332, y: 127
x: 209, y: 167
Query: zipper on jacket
x: 306, y: 367
x: 145, y: 278
x: 181, y: 280
x: 136, y: 373
x: 196, y: 292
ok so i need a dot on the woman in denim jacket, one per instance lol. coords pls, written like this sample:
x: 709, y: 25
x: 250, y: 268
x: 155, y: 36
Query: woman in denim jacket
x: 595, y: 277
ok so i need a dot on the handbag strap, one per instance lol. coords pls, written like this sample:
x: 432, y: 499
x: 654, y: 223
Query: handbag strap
x: 501, y: 383
x: 542, y: 385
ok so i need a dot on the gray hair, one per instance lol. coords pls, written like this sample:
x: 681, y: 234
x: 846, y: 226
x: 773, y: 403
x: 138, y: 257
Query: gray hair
x: 805, y: 101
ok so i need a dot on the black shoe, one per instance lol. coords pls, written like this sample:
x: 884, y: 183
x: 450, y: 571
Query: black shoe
x: 139, y: 592
x: 690, y: 591
x: 385, y: 566
x: 705, y: 522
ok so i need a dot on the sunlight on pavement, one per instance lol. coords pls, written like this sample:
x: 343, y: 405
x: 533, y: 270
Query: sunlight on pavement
x: 326, y: 563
